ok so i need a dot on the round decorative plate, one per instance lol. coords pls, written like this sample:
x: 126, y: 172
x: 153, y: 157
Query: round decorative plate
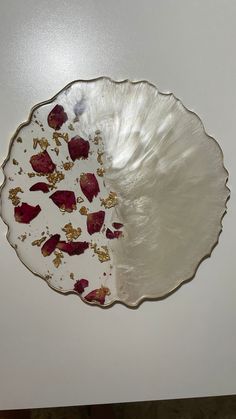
x: 113, y: 191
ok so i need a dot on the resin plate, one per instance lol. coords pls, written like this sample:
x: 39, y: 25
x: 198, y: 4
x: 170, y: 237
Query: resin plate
x: 113, y: 191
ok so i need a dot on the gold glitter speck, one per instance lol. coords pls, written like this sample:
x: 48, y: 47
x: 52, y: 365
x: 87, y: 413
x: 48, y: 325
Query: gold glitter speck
x: 57, y: 135
x: 110, y: 201
x: 31, y: 174
x: 38, y: 242
x: 100, y: 171
x: 83, y: 211
x: 13, y: 195
x: 68, y: 165
x: 71, y: 127
x: 99, y: 157
x: 80, y: 199
x: 19, y: 140
x: 22, y: 237
x: 72, y: 275
x: 71, y: 232
x: 15, y: 162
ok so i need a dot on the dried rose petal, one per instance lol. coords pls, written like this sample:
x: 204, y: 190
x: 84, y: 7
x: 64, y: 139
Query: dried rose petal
x: 42, y: 163
x: 40, y: 186
x: 50, y: 245
x: 73, y: 248
x: 117, y: 226
x: 57, y: 117
x: 78, y: 148
x: 89, y: 185
x: 113, y: 234
x: 24, y: 213
x: 98, y: 295
x: 80, y: 285
x: 65, y: 200
x: 95, y: 221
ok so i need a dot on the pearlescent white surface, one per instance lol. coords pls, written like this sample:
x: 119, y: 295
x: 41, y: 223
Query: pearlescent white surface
x: 54, y: 351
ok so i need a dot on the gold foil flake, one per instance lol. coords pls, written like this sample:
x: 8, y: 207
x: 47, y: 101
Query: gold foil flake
x: 101, y: 171
x: 102, y: 252
x: 72, y: 275
x: 68, y: 165
x: 39, y: 241
x: 43, y: 143
x: 22, y: 237
x: 15, y: 162
x: 56, y: 149
x: 57, y: 260
x: 47, y: 277
x: 31, y: 174
x: 71, y: 232
x: 99, y: 157
x: 80, y: 199
x: 97, y: 132
x: 13, y: 195
x: 110, y: 201
x: 55, y: 177
x: 57, y: 135
x: 19, y: 140
x: 83, y: 211
x: 11, y: 179
x: 71, y: 127
x: 20, y: 171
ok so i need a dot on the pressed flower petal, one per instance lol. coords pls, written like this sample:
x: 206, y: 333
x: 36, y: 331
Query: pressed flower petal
x: 109, y: 234
x: 25, y: 213
x: 117, y: 234
x: 40, y: 186
x: 57, y: 117
x: 50, y: 245
x: 78, y: 148
x: 89, y: 185
x: 117, y: 226
x: 95, y: 221
x: 65, y: 200
x: 72, y: 248
x: 42, y: 163
x: 98, y: 295
x: 80, y: 285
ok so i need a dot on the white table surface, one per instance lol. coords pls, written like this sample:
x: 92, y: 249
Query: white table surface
x: 55, y: 350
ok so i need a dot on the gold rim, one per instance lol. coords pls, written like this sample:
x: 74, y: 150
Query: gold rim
x: 147, y: 297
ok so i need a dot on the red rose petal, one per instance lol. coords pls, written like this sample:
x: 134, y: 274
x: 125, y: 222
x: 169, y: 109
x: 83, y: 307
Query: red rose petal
x: 73, y: 248
x: 65, y: 200
x: 89, y: 185
x: 40, y: 186
x: 57, y: 117
x: 42, y: 163
x: 113, y: 234
x: 117, y: 226
x: 50, y: 245
x: 80, y: 285
x: 78, y: 148
x: 98, y: 295
x: 25, y: 213
x: 95, y: 221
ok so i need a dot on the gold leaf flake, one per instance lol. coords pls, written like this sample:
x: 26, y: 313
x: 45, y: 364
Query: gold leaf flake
x: 55, y: 177
x: 83, y: 211
x: 56, y: 149
x: 11, y: 179
x: 101, y: 171
x: 13, y: 195
x: 80, y: 199
x: 43, y: 143
x: 15, y: 162
x: 72, y: 275
x: 110, y: 201
x: 68, y: 165
x: 99, y: 157
x: 20, y: 171
x: 103, y: 253
x: 71, y: 127
x: 71, y: 232
x: 31, y: 174
x: 97, y: 132
x: 19, y: 140
x: 57, y: 260
x: 57, y: 135
x: 38, y: 242
x: 22, y: 237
